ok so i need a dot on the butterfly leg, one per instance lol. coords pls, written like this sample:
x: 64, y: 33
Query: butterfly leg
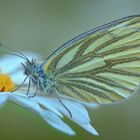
x: 28, y: 86
x: 20, y: 85
x: 35, y: 93
x: 63, y: 104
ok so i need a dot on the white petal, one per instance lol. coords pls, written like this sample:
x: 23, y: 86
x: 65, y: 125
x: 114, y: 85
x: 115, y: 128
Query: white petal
x: 79, y: 113
x: 91, y: 105
x: 3, y: 98
x: 48, y: 103
x: 19, y: 77
x: 12, y: 64
x: 89, y: 128
x: 77, y: 110
x: 48, y: 116
x: 57, y: 123
x: 26, y: 102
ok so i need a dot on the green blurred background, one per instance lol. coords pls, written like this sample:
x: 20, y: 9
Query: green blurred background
x: 43, y: 25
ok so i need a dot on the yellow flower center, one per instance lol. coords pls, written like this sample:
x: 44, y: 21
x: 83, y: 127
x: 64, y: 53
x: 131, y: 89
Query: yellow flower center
x: 6, y: 83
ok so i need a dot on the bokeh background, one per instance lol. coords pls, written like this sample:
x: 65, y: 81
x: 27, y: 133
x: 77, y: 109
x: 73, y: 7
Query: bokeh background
x: 43, y: 25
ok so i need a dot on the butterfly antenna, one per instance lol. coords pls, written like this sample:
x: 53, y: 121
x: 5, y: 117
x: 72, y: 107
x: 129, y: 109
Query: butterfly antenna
x: 15, y: 55
x: 19, y: 54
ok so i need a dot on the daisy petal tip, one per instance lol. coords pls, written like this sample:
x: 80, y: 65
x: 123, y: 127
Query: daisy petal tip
x: 89, y: 128
x: 92, y: 130
x: 56, y: 122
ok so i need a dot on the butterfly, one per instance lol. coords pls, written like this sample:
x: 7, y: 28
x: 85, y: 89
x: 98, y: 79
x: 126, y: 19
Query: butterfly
x: 99, y: 66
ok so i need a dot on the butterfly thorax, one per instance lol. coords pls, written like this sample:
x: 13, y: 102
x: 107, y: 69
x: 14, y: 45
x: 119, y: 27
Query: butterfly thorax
x: 38, y: 77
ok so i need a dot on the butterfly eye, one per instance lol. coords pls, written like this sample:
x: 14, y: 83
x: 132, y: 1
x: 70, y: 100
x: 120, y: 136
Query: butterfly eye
x: 27, y: 72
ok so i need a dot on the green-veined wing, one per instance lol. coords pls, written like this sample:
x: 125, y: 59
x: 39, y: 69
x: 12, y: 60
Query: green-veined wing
x: 101, y: 65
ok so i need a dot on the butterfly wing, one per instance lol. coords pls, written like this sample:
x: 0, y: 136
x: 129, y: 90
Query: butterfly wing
x: 101, y: 65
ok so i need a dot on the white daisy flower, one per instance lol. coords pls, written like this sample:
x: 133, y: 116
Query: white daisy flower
x: 49, y: 108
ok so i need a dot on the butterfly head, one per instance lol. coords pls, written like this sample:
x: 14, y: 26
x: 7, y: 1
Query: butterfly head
x: 32, y: 69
